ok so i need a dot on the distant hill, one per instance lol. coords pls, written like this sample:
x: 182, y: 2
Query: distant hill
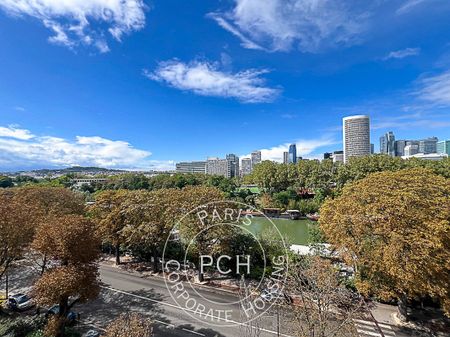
x: 67, y: 170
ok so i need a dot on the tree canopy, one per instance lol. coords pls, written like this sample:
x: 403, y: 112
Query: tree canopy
x: 395, y: 228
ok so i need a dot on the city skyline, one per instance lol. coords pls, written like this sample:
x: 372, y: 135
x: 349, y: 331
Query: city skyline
x: 128, y: 92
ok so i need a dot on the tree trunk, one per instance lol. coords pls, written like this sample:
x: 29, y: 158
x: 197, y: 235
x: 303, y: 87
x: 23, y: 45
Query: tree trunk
x: 44, y: 264
x: 403, y: 307
x: 201, y: 277
x: 155, y: 260
x: 62, y: 317
x: 117, y: 248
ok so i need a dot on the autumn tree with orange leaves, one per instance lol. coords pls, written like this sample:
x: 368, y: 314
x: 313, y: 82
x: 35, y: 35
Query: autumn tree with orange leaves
x: 127, y: 325
x: 394, y: 227
x: 71, y: 242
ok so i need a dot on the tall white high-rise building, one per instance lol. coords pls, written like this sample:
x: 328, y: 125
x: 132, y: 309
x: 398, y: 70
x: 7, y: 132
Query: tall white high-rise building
x: 256, y: 158
x: 356, y: 131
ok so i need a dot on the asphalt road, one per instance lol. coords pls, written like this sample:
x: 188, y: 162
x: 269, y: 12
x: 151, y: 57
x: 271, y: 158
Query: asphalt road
x: 129, y: 292
x: 125, y: 292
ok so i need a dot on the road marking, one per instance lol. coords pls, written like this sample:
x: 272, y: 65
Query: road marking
x: 166, y: 324
x: 193, y: 311
x: 369, y: 328
x: 194, y: 332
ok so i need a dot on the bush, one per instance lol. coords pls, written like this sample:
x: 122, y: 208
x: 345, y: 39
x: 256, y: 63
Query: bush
x: 21, y: 327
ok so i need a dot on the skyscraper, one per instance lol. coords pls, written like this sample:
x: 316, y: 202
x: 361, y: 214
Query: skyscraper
x: 356, y: 132
x: 256, y: 158
x: 285, y: 157
x: 246, y: 166
x: 233, y: 163
x: 400, y: 147
x: 387, y: 144
x: 292, y: 153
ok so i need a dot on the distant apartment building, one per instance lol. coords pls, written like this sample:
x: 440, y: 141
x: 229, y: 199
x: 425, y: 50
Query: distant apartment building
x: 428, y: 145
x: 285, y: 157
x: 228, y: 167
x: 191, y: 167
x: 256, y: 158
x: 216, y: 166
x: 292, y: 154
x: 88, y: 181
x: 387, y: 144
x: 356, y: 136
x: 246, y: 166
x: 443, y: 147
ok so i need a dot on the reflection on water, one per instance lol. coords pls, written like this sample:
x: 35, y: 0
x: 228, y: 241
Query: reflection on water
x: 296, y: 231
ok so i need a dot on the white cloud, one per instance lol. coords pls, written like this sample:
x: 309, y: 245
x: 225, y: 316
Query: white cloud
x: 435, y: 89
x: 245, y: 42
x: 312, y: 25
x: 19, y: 108
x: 205, y: 79
x: 304, y: 148
x: 13, y: 132
x: 399, y: 54
x: 409, y: 5
x: 19, y: 148
x: 82, y: 22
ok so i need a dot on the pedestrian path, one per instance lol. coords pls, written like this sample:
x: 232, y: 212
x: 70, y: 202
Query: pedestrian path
x: 370, y: 329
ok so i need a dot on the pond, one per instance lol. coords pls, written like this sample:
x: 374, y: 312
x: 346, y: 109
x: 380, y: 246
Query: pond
x: 296, y: 231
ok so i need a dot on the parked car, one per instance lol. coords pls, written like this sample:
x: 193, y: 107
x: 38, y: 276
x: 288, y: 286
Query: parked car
x: 20, y: 302
x: 92, y: 333
x: 72, y: 317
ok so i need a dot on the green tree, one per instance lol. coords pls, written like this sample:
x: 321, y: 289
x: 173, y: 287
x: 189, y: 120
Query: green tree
x: 395, y: 228
x: 150, y: 216
x: 6, y: 181
x: 208, y: 235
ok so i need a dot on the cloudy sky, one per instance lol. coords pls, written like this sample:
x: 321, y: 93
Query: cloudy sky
x: 142, y: 84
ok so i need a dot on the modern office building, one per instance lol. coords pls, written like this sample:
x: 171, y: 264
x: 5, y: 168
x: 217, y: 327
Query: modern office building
x: 400, y: 147
x: 443, y: 147
x: 285, y: 157
x: 233, y: 163
x: 246, y: 166
x: 428, y: 145
x: 387, y: 144
x: 327, y: 155
x: 191, y: 167
x: 356, y: 136
x: 338, y: 156
x: 256, y: 158
x: 411, y: 150
x: 292, y: 154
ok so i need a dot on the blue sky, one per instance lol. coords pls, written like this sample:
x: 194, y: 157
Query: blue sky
x: 141, y: 85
